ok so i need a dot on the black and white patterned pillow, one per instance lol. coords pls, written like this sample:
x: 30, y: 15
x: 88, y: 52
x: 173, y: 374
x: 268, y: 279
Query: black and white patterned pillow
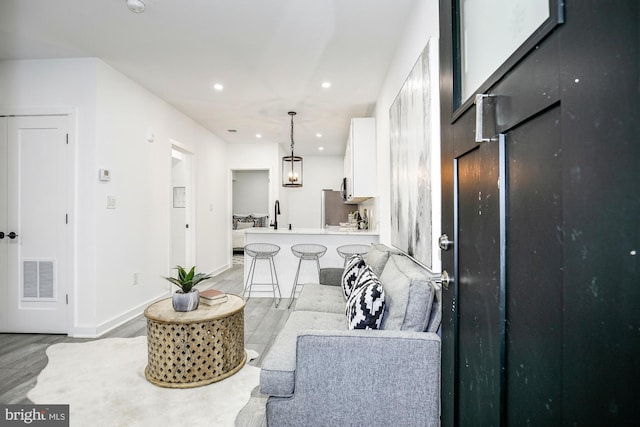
x: 350, y: 274
x: 260, y: 221
x: 365, y: 305
x: 240, y: 218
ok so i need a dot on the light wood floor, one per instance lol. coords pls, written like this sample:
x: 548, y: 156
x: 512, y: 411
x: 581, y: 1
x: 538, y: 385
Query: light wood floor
x: 22, y: 356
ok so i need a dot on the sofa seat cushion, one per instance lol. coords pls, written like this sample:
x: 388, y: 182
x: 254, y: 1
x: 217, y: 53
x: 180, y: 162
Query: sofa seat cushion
x: 277, y: 376
x: 325, y: 298
x: 409, y: 296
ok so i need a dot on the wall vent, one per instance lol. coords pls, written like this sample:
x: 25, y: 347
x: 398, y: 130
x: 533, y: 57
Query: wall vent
x: 38, y: 280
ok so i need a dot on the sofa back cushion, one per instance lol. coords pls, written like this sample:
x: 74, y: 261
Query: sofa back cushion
x: 409, y: 296
x: 377, y: 257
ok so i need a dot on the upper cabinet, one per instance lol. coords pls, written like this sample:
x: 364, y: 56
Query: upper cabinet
x: 360, y: 160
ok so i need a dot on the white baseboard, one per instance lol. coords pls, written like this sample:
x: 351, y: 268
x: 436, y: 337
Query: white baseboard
x: 103, y: 328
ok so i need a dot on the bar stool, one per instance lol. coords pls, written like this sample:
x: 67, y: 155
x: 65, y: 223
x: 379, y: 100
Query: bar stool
x: 347, y: 251
x: 309, y: 252
x: 264, y: 251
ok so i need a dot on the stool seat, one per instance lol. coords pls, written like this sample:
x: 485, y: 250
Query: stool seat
x: 308, y: 252
x: 347, y: 251
x: 262, y: 251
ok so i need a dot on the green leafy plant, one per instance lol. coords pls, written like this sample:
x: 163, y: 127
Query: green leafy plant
x: 186, y: 281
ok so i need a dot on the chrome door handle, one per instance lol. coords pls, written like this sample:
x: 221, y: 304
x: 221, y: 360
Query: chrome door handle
x: 445, y: 280
x: 479, y: 101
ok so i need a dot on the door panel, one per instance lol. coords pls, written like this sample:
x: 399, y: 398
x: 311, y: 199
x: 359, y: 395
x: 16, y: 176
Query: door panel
x: 479, y: 317
x: 36, y: 281
x: 534, y: 274
x: 536, y: 84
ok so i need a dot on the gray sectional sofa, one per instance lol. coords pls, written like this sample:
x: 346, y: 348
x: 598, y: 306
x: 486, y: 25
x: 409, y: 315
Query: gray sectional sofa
x: 320, y: 373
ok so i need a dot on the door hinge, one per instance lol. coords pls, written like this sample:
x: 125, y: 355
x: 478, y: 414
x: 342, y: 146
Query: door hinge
x: 66, y: 218
x: 67, y: 298
x: 67, y: 139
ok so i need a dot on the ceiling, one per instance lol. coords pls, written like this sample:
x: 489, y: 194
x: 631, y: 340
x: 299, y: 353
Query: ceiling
x: 270, y: 55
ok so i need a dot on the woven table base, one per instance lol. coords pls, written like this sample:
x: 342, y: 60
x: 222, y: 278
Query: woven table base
x: 197, y: 353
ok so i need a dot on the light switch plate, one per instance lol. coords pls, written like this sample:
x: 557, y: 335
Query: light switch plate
x: 111, y: 202
x: 105, y: 175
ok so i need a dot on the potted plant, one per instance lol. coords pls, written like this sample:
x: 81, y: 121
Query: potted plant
x: 187, y: 297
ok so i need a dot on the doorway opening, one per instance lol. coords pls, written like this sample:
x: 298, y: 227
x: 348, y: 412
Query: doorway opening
x: 250, y: 204
x: 182, y: 227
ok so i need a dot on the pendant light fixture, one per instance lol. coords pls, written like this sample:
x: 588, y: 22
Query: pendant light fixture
x: 292, y: 165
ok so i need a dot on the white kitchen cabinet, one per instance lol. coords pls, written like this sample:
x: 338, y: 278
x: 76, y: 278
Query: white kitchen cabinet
x: 360, y: 160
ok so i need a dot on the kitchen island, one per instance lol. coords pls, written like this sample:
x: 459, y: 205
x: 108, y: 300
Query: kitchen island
x: 286, y: 263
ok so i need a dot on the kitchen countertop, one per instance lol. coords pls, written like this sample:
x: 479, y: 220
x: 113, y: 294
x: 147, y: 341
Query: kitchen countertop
x: 309, y: 231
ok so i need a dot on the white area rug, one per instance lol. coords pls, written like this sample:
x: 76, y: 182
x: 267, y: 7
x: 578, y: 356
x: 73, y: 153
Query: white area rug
x: 103, y: 382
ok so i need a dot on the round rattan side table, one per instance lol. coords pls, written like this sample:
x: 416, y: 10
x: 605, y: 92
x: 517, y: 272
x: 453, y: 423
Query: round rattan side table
x: 194, y: 348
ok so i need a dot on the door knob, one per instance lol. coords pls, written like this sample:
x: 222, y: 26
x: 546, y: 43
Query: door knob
x: 1, y: 235
x: 444, y: 242
x: 12, y: 235
x: 445, y: 280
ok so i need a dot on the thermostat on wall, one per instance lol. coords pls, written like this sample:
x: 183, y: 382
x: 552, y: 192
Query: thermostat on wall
x: 105, y: 175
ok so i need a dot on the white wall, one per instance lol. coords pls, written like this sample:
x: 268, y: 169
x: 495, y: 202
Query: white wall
x: 305, y: 204
x: 113, y: 115
x: 423, y: 25
x: 250, y: 192
x: 135, y: 237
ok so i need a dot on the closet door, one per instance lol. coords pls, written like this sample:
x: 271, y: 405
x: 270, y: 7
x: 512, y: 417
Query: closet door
x: 34, y: 220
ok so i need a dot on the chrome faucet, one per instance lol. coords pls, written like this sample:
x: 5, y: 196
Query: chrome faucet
x: 275, y: 214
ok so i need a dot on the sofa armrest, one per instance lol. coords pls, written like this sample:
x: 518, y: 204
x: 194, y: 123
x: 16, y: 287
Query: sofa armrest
x: 331, y: 276
x: 362, y: 378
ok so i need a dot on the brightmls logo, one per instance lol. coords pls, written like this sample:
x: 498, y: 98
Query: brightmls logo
x: 35, y: 415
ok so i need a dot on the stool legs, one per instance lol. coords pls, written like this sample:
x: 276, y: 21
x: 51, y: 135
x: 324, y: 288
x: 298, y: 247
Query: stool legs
x: 295, y: 281
x: 272, y: 272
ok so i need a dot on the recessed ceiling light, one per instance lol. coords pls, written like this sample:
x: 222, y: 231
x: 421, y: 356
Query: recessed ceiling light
x: 258, y: 135
x: 218, y: 86
x: 320, y: 148
x: 318, y: 135
x: 135, y: 6
x: 326, y: 85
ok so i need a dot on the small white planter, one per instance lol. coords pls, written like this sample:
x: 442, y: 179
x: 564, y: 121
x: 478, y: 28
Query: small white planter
x: 186, y: 302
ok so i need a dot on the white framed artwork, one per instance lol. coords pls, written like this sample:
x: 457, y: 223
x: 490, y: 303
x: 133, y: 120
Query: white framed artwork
x: 414, y: 121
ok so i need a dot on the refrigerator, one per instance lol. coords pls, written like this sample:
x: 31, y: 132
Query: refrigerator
x: 334, y: 209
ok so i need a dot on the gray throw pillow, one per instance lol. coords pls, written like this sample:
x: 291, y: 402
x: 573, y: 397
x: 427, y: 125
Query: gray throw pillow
x: 409, y: 295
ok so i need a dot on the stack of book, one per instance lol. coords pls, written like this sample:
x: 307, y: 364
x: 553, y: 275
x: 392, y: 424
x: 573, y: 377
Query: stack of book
x: 212, y: 297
